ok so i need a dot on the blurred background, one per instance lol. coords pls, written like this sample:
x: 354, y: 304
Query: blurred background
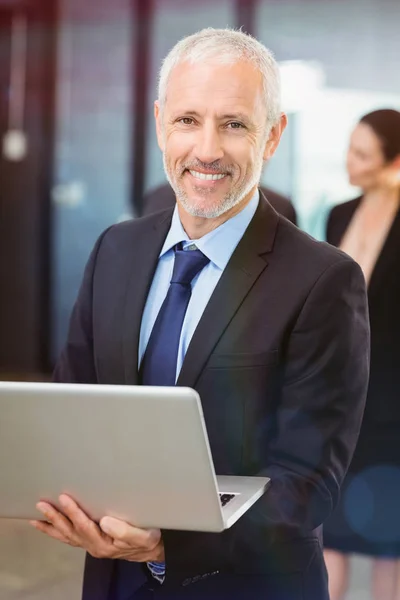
x: 78, y: 150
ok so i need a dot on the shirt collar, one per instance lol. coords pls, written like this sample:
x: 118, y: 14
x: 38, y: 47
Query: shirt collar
x: 219, y: 244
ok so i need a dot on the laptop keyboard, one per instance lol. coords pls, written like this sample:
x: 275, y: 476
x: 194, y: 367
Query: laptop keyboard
x: 225, y: 498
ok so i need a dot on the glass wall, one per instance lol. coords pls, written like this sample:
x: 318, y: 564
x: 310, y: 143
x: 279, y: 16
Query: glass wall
x: 341, y: 60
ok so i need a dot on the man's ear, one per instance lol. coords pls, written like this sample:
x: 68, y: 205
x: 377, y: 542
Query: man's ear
x: 274, y: 137
x: 159, y: 125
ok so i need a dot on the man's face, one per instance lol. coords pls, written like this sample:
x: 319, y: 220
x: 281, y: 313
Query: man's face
x: 212, y: 131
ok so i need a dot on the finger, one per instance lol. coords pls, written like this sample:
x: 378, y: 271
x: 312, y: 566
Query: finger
x: 55, y: 518
x: 122, y: 545
x: 84, y: 526
x: 69, y: 507
x: 121, y: 531
x: 49, y: 530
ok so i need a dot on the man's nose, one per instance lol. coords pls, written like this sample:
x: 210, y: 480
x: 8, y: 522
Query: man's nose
x: 209, y: 147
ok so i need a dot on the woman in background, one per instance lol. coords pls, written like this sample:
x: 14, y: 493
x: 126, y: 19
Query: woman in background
x: 367, y: 519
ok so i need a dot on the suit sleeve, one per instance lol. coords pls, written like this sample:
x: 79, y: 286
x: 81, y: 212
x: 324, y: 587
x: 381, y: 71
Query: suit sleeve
x: 76, y: 363
x: 325, y: 367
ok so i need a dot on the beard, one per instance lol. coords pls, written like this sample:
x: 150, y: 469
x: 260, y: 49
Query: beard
x: 209, y: 208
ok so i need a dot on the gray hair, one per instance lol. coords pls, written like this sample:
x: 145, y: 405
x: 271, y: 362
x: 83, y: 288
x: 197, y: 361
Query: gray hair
x: 227, y: 46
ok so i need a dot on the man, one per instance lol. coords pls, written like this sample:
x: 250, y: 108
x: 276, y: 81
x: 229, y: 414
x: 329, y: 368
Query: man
x: 267, y: 324
x: 164, y: 197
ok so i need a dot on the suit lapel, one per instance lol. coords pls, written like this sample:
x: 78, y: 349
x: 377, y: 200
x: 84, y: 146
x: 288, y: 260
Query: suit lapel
x: 390, y: 251
x: 244, y: 268
x: 147, y: 247
x: 343, y: 216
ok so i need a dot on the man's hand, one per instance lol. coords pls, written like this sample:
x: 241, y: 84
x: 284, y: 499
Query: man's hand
x: 112, y: 539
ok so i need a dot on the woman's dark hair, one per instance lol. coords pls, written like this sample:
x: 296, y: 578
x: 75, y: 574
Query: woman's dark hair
x: 386, y: 125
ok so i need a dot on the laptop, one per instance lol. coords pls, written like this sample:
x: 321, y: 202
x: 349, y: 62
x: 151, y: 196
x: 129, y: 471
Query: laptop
x: 136, y: 453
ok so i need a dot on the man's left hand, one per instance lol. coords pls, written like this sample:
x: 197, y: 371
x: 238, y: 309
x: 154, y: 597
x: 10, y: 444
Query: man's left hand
x: 112, y: 538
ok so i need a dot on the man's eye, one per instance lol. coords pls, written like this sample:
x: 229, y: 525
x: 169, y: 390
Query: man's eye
x: 235, y: 125
x: 186, y: 121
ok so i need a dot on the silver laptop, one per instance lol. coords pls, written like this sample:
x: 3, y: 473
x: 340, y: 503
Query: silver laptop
x: 137, y: 453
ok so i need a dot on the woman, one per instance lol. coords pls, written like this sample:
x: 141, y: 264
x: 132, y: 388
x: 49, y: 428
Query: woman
x: 367, y: 520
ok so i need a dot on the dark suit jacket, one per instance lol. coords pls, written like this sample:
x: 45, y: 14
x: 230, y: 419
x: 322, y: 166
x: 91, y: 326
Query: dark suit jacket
x: 383, y: 404
x: 280, y: 361
x: 164, y: 197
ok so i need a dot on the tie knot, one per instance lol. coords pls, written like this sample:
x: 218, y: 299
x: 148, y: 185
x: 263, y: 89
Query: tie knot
x: 188, y: 263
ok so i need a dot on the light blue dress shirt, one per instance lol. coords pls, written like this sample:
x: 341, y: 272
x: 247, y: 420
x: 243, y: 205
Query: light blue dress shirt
x: 218, y: 246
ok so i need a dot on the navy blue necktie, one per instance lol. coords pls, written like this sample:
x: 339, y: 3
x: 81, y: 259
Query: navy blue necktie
x: 159, y: 368
x: 160, y: 359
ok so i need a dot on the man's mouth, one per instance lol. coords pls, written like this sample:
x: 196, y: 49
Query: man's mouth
x: 207, y: 176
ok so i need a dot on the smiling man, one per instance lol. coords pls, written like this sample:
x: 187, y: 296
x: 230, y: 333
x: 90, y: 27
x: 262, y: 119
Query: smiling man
x: 223, y: 295
x: 215, y: 132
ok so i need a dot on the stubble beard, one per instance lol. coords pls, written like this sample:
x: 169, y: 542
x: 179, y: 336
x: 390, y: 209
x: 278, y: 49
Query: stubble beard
x: 212, y: 210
